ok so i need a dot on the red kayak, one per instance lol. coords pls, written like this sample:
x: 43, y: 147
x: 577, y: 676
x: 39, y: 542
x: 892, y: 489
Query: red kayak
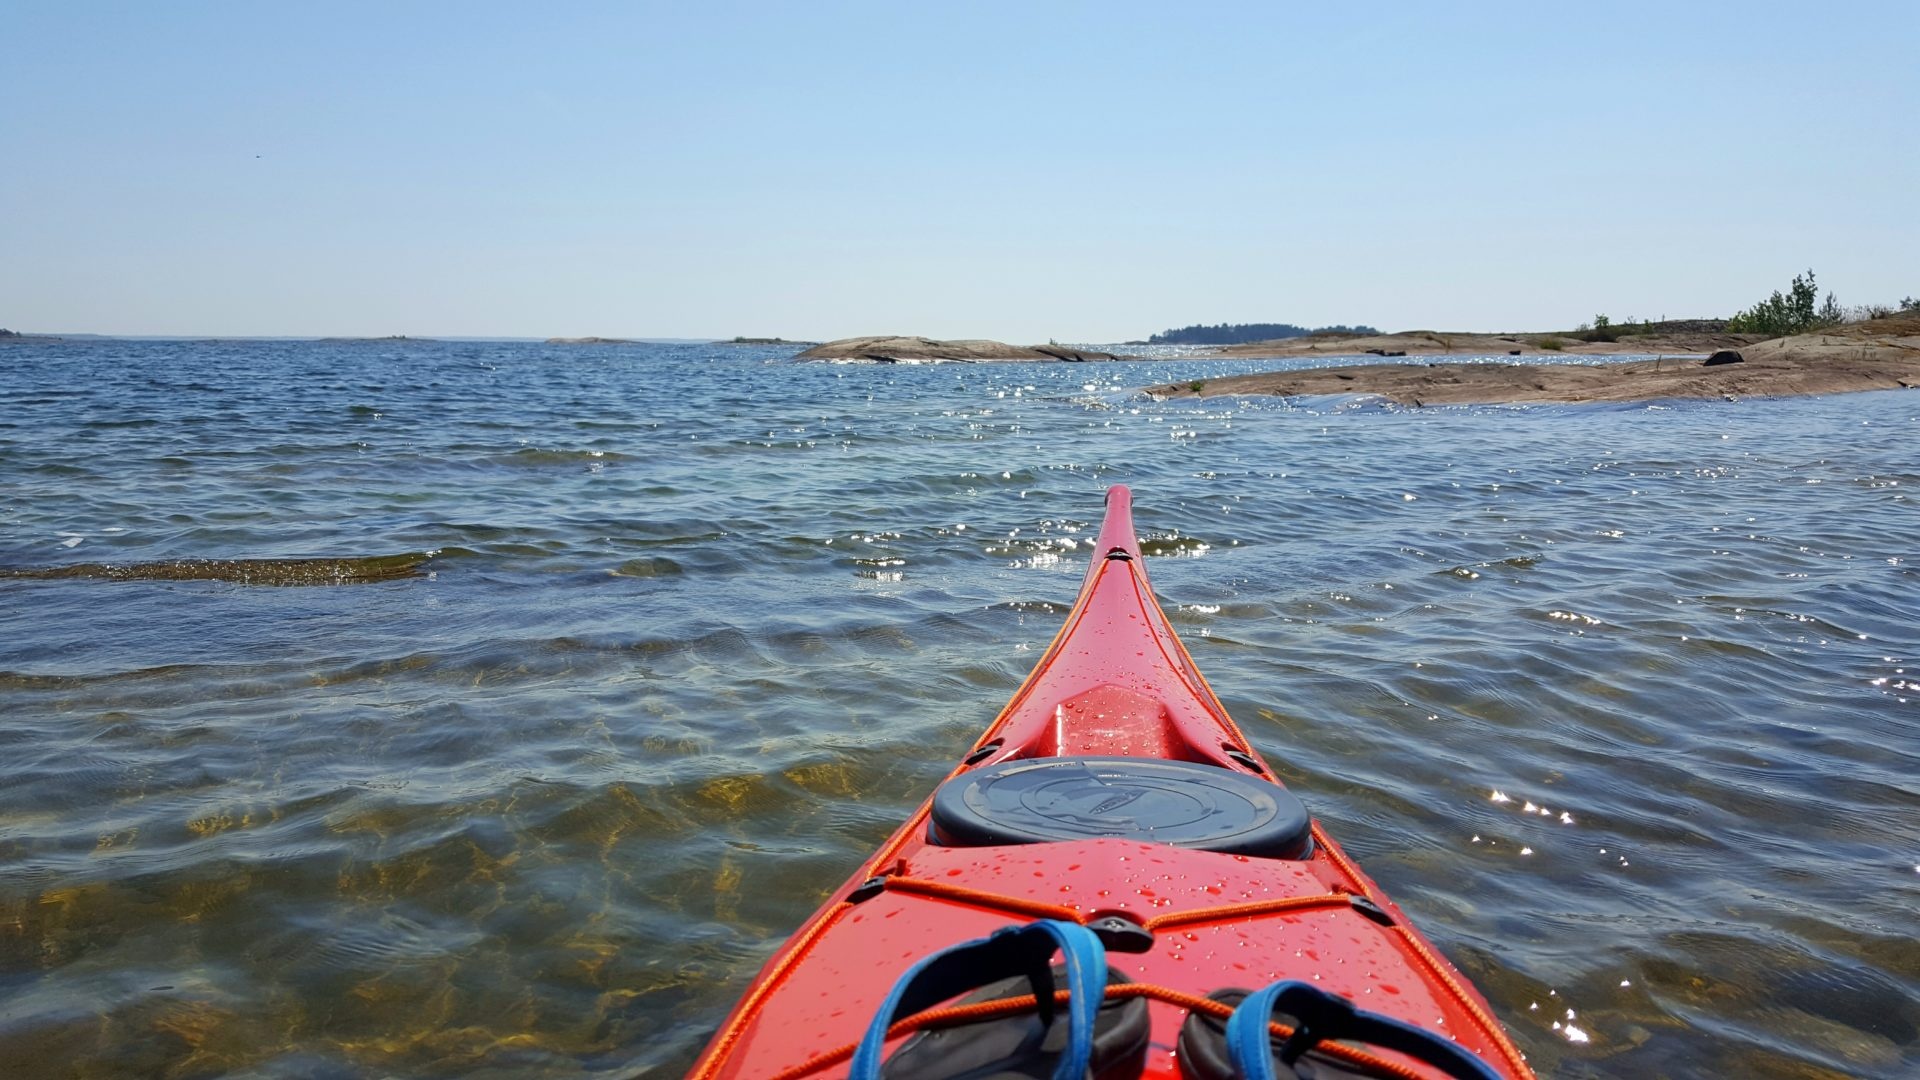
x: 1110, y: 884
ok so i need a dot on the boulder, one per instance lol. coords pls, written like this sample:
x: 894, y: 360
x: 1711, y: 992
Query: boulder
x: 1724, y: 356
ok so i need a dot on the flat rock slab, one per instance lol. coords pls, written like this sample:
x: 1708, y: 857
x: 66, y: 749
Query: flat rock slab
x: 1826, y: 369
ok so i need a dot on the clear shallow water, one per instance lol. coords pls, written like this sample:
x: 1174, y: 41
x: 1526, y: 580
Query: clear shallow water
x: 702, y: 627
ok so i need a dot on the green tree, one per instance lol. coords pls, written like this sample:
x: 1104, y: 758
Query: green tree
x: 1795, y: 312
x: 1603, y: 330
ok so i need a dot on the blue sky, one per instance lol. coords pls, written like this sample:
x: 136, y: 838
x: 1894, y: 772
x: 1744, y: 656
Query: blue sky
x: 1022, y: 171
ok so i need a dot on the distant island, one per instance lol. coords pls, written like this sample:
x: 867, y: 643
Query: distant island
x: 1236, y: 333
x: 763, y: 341
x: 920, y: 350
x: 9, y: 337
x: 589, y: 341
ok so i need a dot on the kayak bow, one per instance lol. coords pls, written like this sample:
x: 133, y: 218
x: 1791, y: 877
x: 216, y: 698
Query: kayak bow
x: 1113, y: 793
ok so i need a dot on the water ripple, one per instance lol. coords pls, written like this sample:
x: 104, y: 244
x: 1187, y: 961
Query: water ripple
x: 1617, y: 701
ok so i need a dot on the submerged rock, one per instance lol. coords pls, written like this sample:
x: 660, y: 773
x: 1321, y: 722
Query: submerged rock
x: 352, y: 571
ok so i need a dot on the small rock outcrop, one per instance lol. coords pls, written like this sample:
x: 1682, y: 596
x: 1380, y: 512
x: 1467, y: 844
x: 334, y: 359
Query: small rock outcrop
x: 1724, y: 356
x: 914, y: 350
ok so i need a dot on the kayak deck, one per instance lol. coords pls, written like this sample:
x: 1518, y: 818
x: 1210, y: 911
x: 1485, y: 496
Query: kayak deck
x: 1115, y: 682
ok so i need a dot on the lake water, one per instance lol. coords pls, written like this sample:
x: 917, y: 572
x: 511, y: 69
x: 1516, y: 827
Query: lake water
x: 1619, y: 702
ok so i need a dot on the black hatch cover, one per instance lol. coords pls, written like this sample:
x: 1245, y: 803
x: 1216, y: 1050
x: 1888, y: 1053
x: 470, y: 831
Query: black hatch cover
x: 1181, y: 803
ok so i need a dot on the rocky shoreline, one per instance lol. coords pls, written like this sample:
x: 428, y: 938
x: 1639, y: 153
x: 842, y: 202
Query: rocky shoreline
x: 1668, y: 341
x: 1880, y: 355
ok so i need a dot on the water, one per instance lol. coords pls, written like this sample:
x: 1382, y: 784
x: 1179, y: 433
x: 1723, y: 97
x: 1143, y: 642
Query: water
x: 1619, y: 702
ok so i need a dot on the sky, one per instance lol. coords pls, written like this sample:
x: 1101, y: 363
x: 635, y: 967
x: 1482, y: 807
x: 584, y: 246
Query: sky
x: 1029, y: 171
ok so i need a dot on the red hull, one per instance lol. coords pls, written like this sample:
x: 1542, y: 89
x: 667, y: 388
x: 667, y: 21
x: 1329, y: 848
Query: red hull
x: 1117, y: 682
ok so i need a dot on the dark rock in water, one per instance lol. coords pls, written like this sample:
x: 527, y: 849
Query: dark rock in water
x: 242, y: 571
x: 1724, y: 356
x: 1061, y: 352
